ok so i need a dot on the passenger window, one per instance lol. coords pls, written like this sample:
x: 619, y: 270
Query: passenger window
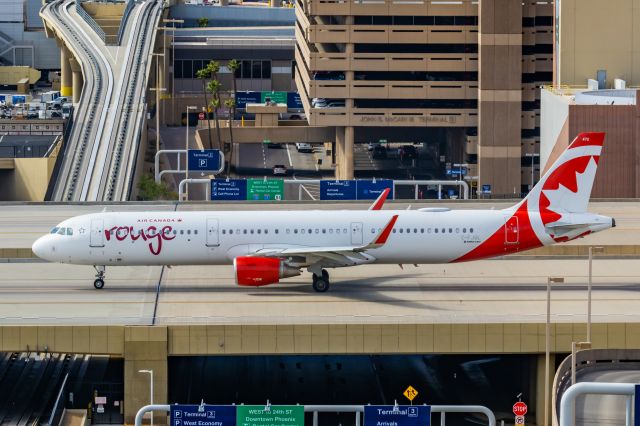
x: 259, y: 231
x: 295, y: 231
x: 310, y: 231
x: 457, y: 230
x: 331, y: 230
x: 317, y: 231
x: 464, y: 230
x: 450, y: 230
x: 394, y: 230
x: 415, y: 230
x: 188, y: 231
x: 408, y: 230
x: 373, y: 231
x: 401, y: 230
x: 288, y: 230
x: 302, y: 231
x: 195, y: 232
x: 444, y: 231
x: 471, y: 230
x: 224, y: 231
x: 266, y: 231
x: 324, y: 231
x: 277, y: 231
x: 230, y: 231
x: 182, y: 232
x: 428, y: 230
x: 174, y: 232
x: 422, y: 230
x: 251, y: 231
x: 244, y: 231
x: 435, y: 230
x: 344, y: 230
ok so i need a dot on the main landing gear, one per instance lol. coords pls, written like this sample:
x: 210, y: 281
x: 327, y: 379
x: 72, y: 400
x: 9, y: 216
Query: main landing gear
x: 321, y: 282
x: 99, y: 281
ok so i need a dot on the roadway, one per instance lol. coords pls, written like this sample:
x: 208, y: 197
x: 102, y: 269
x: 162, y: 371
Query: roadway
x: 102, y: 148
x: 502, y: 290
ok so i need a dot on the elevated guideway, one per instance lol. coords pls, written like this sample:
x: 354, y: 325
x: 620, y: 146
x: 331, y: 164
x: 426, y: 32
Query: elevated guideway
x: 101, y: 153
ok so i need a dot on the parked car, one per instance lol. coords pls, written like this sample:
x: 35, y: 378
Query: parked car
x: 408, y: 152
x: 272, y: 145
x: 279, y: 170
x: 304, y: 147
x: 328, y: 75
x: 331, y: 103
x: 371, y: 146
x: 379, y: 152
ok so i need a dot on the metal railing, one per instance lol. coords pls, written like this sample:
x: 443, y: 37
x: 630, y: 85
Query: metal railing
x: 568, y: 402
x: 58, y: 407
x: 90, y: 21
x: 123, y: 22
x: 357, y: 409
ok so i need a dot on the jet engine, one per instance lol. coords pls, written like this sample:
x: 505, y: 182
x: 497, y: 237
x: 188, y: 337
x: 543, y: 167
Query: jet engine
x: 259, y: 271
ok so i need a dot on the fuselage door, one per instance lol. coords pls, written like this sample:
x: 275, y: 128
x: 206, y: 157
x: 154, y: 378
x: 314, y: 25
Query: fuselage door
x: 213, y: 237
x: 96, y: 238
x: 356, y: 233
x: 512, y: 231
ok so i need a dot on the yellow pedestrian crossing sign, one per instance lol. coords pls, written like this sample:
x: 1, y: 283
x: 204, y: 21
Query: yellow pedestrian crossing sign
x: 410, y: 393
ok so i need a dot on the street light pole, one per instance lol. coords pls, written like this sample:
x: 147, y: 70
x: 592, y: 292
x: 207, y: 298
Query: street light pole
x: 186, y: 147
x: 150, y: 373
x: 591, y: 251
x: 547, y: 345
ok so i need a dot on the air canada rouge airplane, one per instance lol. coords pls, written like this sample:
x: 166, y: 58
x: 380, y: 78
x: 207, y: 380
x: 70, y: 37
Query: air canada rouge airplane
x: 267, y: 246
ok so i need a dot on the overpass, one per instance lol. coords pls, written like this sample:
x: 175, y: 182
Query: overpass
x: 151, y: 316
x: 107, y: 83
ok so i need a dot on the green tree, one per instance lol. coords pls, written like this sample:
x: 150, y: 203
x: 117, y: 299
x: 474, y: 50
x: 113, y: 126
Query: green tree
x: 203, y: 22
x: 149, y: 190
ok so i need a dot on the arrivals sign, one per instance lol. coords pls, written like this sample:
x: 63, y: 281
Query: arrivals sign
x: 228, y: 189
x: 265, y: 189
x: 399, y: 415
x: 202, y: 415
x: 205, y: 160
x: 354, y: 189
x: 338, y: 189
x: 276, y: 415
x: 292, y: 99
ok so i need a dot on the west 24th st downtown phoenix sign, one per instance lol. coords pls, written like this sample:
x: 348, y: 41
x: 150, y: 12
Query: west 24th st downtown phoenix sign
x: 288, y: 415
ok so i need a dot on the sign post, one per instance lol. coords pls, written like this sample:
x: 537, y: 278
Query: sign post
x: 265, y: 189
x: 202, y: 415
x: 228, y: 189
x: 375, y: 415
x: 206, y: 160
x: 410, y: 393
x: 519, y: 410
x: 271, y: 415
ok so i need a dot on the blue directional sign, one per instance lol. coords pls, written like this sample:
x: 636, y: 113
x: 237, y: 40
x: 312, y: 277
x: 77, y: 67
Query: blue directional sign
x: 229, y: 189
x: 203, y: 415
x: 486, y: 188
x: 370, y: 190
x: 244, y: 98
x: 337, y: 189
x: 457, y: 171
x: 206, y: 160
x: 401, y: 415
x: 294, y: 101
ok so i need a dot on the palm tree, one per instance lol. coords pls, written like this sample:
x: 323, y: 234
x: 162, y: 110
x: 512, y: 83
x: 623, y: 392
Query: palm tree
x: 214, y: 87
x: 203, y: 75
x: 231, y: 108
x: 233, y: 65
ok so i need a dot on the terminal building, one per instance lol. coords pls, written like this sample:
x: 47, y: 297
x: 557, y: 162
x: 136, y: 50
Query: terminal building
x: 461, y: 74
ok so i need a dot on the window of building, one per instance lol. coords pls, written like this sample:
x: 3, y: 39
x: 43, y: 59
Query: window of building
x: 250, y: 69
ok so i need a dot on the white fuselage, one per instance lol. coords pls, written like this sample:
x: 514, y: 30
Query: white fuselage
x: 190, y: 238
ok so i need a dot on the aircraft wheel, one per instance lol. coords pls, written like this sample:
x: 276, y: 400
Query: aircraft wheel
x: 98, y: 283
x: 325, y: 275
x: 320, y: 284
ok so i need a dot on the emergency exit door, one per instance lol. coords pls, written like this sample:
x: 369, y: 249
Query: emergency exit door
x: 512, y: 231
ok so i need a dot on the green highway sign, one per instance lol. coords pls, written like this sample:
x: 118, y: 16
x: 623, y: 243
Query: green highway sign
x: 266, y: 140
x: 277, y: 97
x: 265, y: 189
x: 277, y: 415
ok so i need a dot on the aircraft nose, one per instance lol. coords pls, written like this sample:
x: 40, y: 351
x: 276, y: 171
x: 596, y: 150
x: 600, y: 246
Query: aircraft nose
x: 41, y: 248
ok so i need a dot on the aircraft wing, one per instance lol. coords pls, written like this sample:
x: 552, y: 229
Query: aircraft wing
x: 337, y: 254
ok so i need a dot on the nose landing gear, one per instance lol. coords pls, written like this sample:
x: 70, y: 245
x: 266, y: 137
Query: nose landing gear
x: 99, y: 281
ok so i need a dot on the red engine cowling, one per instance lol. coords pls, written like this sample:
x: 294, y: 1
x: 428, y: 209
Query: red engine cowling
x: 259, y: 271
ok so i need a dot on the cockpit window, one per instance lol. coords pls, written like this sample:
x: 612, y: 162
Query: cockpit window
x: 69, y: 231
x: 54, y: 230
x: 61, y: 231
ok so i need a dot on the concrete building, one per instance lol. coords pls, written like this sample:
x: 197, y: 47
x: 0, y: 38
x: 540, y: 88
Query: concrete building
x: 590, y: 41
x: 22, y: 37
x: 565, y: 113
x: 462, y: 74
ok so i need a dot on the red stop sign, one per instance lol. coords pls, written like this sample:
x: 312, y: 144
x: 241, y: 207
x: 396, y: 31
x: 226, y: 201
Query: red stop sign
x: 519, y: 408
x: 201, y: 116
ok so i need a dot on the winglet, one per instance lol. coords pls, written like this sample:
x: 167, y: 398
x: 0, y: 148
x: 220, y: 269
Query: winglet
x: 377, y: 205
x: 383, y: 236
